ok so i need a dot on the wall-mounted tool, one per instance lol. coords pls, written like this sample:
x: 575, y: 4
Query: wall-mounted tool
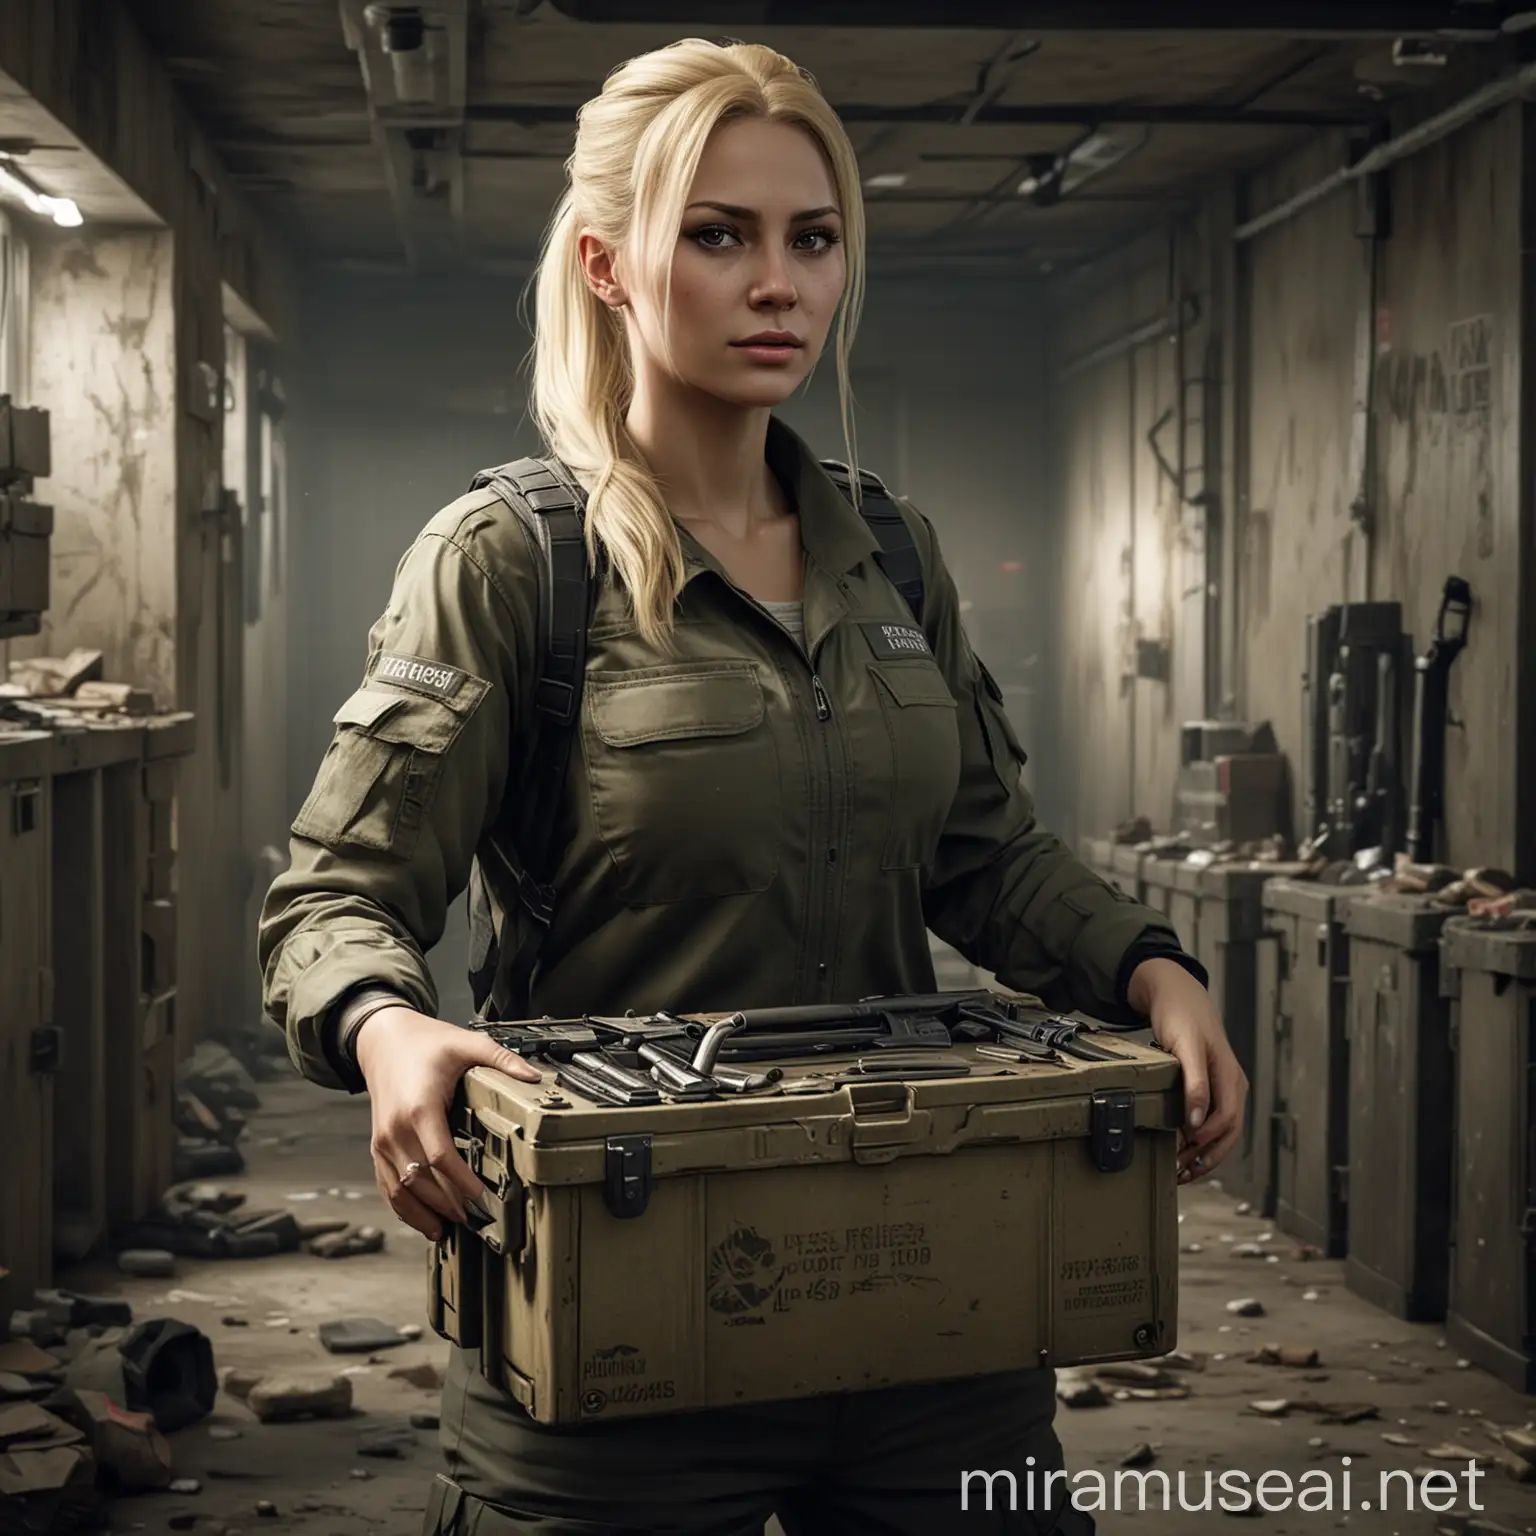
x: 1430, y: 692
x: 1346, y: 645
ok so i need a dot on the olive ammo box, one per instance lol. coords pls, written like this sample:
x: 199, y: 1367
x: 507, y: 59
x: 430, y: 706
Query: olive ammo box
x: 681, y: 1256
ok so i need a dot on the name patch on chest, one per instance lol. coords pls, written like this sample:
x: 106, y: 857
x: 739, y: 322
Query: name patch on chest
x: 434, y: 677
x: 892, y: 641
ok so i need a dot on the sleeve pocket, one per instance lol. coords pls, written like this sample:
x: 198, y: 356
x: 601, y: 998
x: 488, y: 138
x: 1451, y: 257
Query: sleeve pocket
x: 1003, y: 745
x: 379, y: 773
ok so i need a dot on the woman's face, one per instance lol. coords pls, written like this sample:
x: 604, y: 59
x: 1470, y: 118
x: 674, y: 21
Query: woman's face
x: 759, y: 251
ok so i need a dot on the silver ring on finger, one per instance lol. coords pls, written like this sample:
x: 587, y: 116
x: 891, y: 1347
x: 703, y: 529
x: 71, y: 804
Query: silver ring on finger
x: 409, y: 1172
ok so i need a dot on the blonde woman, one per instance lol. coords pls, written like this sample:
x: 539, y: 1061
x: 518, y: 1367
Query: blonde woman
x: 769, y: 799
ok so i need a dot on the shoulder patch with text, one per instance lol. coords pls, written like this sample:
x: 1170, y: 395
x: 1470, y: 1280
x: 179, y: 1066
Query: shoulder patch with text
x: 891, y: 641
x: 434, y: 677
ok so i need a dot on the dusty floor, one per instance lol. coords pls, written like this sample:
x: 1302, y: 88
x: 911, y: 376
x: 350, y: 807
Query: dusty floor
x: 305, y: 1139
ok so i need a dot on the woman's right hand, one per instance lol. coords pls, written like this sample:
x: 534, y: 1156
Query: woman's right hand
x: 412, y: 1064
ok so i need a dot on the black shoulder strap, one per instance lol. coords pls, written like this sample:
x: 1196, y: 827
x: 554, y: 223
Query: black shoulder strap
x: 898, y: 556
x: 551, y: 506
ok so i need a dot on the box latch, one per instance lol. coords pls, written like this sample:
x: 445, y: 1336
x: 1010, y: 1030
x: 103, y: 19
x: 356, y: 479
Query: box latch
x: 627, y: 1174
x: 47, y: 1050
x: 25, y: 799
x: 1112, y: 1129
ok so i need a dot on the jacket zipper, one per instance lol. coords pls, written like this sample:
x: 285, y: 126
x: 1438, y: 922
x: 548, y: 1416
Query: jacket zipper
x: 819, y: 884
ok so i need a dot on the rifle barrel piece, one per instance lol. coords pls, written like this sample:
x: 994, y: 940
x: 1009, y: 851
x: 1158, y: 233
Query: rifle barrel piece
x: 715, y: 1036
x: 811, y: 1016
x: 1021, y: 1051
x: 875, y: 1069
x: 677, y: 1077
x: 1063, y: 1035
x: 734, y: 1081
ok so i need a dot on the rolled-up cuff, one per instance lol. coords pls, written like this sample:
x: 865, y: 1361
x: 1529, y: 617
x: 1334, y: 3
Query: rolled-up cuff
x: 318, y: 972
x: 1154, y: 946
x: 339, y: 1031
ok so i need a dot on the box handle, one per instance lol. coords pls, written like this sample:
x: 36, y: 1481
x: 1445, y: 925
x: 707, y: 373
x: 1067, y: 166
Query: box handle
x: 883, y: 1121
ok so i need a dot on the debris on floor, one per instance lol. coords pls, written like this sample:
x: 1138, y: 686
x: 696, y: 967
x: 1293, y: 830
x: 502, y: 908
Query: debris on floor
x: 358, y: 1335
x: 282, y: 1399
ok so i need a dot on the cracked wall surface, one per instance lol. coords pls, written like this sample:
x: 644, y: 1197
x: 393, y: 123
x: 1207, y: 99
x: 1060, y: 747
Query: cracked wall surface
x: 103, y: 364
x: 1444, y: 491
x: 1444, y: 494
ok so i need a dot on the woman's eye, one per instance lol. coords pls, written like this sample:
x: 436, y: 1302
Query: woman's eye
x: 703, y: 236
x: 828, y: 238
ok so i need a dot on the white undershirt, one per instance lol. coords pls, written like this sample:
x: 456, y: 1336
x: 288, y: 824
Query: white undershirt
x: 791, y: 615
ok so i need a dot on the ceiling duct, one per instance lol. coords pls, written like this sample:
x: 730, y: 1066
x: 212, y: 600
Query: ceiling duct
x: 1295, y: 18
x: 414, y: 60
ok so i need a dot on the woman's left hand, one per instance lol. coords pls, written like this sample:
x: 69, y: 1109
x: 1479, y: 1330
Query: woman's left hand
x: 1184, y: 1022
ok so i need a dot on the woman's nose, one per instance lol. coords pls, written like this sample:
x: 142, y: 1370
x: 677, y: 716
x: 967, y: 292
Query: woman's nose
x: 774, y: 281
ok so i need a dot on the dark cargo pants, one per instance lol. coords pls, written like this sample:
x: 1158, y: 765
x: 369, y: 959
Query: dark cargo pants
x: 883, y: 1463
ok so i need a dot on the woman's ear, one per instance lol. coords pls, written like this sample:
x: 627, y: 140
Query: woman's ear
x: 598, y: 265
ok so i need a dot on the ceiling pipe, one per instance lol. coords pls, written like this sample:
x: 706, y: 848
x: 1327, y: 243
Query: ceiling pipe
x: 1068, y: 114
x: 1498, y: 94
x: 1469, y: 19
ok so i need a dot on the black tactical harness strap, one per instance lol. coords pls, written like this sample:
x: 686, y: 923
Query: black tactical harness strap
x: 551, y: 506
x: 898, y: 556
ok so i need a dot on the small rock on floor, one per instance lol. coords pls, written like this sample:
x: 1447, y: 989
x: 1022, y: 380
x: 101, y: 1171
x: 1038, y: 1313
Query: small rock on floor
x: 280, y: 1398
x: 424, y: 1374
x: 1081, y: 1394
x: 147, y: 1263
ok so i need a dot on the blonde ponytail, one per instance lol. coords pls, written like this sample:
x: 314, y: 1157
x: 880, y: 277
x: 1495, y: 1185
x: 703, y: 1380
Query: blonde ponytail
x: 638, y: 145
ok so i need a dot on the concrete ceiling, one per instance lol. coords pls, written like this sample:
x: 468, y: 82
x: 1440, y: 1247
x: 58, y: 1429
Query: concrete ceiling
x: 300, y: 100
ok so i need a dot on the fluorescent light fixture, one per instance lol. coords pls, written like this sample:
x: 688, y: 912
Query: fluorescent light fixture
x: 1092, y: 157
x: 887, y: 179
x: 61, y: 210
x: 1032, y: 184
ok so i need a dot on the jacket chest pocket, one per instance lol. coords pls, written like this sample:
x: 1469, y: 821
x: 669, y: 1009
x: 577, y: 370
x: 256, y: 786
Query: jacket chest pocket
x: 684, y: 778
x: 919, y: 716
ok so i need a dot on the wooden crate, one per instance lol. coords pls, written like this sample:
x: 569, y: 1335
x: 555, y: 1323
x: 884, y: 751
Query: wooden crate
x: 28, y: 1046
x: 97, y: 876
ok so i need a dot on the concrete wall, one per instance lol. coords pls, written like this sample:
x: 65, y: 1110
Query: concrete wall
x: 1450, y: 484
x: 401, y: 414
x: 1445, y: 491
x: 103, y: 362
x: 1445, y: 494
x: 1125, y: 545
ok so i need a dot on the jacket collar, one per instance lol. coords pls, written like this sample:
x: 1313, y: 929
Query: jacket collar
x: 835, y: 536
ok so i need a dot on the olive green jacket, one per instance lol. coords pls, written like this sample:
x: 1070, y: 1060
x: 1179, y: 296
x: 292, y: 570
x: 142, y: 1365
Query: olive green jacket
x: 747, y: 823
